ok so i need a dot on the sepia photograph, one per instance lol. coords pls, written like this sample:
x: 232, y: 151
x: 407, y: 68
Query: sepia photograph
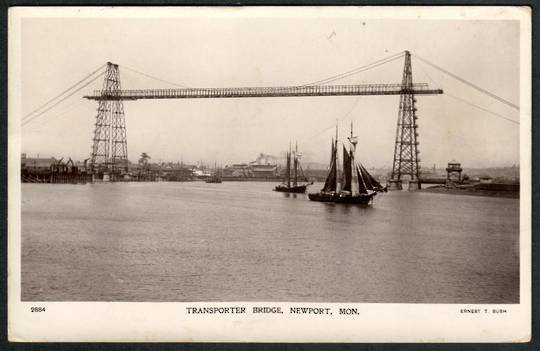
x: 243, y: 164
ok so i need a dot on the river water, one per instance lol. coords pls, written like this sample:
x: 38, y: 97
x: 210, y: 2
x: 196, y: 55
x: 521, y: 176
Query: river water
x: 240, y: 241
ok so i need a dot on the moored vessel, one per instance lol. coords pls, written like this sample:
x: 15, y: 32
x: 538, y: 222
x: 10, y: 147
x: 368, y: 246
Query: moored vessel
x: 296, y: 182
x: 215, y: 177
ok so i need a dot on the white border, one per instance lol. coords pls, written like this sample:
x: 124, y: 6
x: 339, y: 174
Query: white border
x: 139, y: 322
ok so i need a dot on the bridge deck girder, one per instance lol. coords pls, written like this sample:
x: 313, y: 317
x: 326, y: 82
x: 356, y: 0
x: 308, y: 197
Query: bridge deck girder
x: 289, y: 91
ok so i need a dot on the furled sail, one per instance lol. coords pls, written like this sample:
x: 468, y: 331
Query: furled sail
x: 330, y: 183
x: 361, y: 185
x: 347, y: 170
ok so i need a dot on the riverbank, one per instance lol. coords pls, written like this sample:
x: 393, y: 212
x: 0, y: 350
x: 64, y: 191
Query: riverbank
x: 475, y: 191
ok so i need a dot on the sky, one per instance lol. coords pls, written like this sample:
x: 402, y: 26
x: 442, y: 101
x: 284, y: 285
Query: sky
x: 206, y: 51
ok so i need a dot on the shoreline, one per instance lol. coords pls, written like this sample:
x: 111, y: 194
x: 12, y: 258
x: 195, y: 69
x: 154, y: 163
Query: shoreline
x: 472, y: 191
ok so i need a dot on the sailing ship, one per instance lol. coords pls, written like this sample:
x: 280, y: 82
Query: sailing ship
x: 297, y: 181
x: 215, y: 177
x: 357, y: 185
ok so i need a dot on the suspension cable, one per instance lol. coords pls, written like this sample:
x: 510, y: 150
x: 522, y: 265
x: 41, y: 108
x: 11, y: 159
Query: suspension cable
x: 25, y: 122
x: 482, y: 108
x: 70, y: 109
x: 496, y: 97
x: 358, y: 69
x: 322, y: 81
x: 63, y: 92
x: 155, y: 78
x: 468, y: 102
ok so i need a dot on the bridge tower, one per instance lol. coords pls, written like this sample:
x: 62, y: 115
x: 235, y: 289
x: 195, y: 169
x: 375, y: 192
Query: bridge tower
x: 109, y: 150
x: 406, y: 161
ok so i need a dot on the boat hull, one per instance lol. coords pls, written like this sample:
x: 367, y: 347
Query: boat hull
x: 298, y: 189
x: 362, y: 199
x: 213, y: 180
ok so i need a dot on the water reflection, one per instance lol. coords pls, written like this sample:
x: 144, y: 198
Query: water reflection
x: 290, y: 195
x: 345, y: 209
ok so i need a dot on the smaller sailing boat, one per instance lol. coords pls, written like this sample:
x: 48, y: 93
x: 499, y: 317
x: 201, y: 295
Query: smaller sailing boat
x: 298, y: 175
x: 215, y: 177
x: 358, y: 186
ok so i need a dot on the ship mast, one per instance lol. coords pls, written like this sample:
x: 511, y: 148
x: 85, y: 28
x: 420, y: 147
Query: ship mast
x: 353, y: 142
x: 296, y: 165
x: 289, y: 167
x: 362, y: 183
x: 336, y: 158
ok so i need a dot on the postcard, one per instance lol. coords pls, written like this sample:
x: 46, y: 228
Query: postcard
x: 269, y: 174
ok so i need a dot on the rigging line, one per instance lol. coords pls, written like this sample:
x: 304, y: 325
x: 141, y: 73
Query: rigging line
x: 62, y: 93
x: 351, y: 110
x: 359, y: 69
x: 333, y: 125
x: 156, y: 78
x: 481, y: 108
x: 496, y: 97
x: 63, y: 99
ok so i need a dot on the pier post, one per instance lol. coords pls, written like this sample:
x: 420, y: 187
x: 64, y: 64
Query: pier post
x: 395, y: 184
x: 414, y: 184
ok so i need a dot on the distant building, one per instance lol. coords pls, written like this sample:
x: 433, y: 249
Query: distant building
x: 201, y: 173
x: 81, y: 165
x: 51, y: 170
x: 264, y: 171
x: 134, y: 168
x: 237, y: 170
x: 453, y: 171
x: 37, y: 164
x: 176, y: 172
x: 485, y: 179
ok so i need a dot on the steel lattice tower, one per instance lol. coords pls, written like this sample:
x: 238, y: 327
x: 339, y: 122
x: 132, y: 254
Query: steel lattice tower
x: 406, y: 161
x: 109, y: 150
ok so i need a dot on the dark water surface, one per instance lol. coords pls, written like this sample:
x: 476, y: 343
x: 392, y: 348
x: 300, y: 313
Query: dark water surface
x: 240, y: 241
